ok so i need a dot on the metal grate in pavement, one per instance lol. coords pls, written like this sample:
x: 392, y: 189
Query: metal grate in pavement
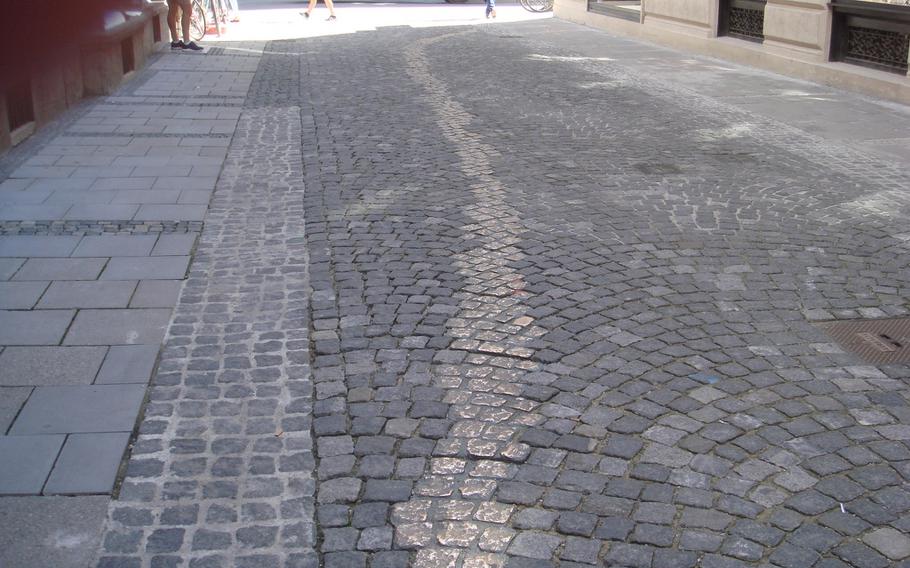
x: 877, y: 341
x: 232, y: 51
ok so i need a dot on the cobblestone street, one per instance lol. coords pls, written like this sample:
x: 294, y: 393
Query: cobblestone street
x: 528, y: 295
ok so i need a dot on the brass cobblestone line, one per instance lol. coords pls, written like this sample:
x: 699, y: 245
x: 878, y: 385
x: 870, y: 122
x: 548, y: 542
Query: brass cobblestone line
x: 491, y: 324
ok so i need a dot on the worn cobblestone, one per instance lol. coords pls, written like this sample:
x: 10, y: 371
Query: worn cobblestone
x: 224, y: 476
x: 562, y: 314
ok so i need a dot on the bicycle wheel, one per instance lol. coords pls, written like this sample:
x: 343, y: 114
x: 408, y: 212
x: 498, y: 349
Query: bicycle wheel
x: 537, y: 5
x: 197, y: 22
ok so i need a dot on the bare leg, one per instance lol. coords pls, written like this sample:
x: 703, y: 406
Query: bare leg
x: 331, y: 6
x: 172, y: 19
x: 187, y: 8
x: 309, y: 8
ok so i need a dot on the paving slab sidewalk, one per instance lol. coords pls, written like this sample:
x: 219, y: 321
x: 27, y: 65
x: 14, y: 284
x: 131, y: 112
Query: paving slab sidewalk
x: 100, y: 217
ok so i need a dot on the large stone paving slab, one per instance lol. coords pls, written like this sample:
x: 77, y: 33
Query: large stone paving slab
x: 61, y: 269
x: 62, y: 532
x: 128, y: 364
x: 174, y: 244
x: 20, y: 295
x: 20, y: 366
x: 11, y: 401
x: 38, y: 327
x: 118, y: 327
x: 79, y: 409
x: 25, y: 462
x: 116, y: 245
x: 34, y: 246
x: 156, y: 294
x: 9, y: 266
x: 91, y: 294
x: 87, y: 464
x: 146, y: 268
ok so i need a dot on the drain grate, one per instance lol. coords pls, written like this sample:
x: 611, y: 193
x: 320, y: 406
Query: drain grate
x: 877, y: 341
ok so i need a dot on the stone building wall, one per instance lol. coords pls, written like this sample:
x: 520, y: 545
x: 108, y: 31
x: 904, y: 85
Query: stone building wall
x: 798, y: 37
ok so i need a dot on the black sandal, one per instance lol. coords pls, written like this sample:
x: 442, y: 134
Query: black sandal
x: 330, y: 18
x: 305, y: 15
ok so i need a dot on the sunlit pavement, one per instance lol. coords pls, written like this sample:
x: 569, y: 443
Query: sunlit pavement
x: 279, y: 22
x: 459, y: 293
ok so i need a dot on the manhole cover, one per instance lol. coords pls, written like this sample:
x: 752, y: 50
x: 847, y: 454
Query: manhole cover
x: 878, y: 341
x: 658, y: 169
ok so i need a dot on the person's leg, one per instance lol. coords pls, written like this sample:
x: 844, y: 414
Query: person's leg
x: 309, y: 8
x: 233, y: 10
x: 331, y: 6
x: 172, y: 19
x: 187, y: 7
x: 491, y: 6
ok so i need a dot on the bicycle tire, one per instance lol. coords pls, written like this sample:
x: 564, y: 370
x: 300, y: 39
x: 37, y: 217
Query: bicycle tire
x: 525, y: 5
x: 538, y: 5
x: 198, y: 24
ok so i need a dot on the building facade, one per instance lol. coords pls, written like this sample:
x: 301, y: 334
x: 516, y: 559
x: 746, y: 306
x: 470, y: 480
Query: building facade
x: 88, y: 48
x: 860, y: 45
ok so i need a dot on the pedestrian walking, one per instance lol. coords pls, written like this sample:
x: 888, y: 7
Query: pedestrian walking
x: 233, y: 10
x: 328, y: 4
x: 186, y: 9
x: 491, y: 9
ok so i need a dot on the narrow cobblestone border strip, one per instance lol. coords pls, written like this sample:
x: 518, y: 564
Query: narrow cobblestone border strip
x: 91, y: 227
x: 165, y: 104
x: 221, y: 473
x: 141, y: 135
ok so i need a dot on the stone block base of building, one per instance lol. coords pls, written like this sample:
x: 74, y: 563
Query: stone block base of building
x: 861, y: 45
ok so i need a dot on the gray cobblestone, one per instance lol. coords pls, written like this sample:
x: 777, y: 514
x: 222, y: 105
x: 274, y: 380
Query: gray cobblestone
x: 260, y: 443
x: 521, y: 349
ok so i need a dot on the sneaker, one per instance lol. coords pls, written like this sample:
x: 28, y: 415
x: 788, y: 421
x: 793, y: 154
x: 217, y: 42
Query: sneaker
x: 192, y: 46
x: 177, y: 44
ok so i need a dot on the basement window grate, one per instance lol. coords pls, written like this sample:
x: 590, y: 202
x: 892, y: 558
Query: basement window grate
x: 19, y: 105
x: 128, y: 55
